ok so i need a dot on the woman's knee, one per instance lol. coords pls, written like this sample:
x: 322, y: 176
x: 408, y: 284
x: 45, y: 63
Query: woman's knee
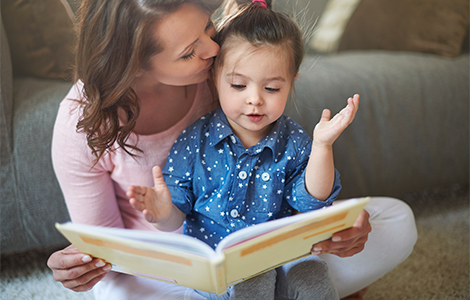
x: 394, y: 219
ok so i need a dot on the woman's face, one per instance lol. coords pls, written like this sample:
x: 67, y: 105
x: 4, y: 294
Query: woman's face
x: 188, y: 49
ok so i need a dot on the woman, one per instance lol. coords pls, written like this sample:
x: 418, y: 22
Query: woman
x: 141, y: 69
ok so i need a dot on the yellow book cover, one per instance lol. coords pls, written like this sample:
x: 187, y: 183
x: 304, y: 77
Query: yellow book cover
x: 186, y: 261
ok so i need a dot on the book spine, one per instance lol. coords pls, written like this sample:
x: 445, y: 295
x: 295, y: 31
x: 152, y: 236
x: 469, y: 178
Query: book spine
x: 219, y: 280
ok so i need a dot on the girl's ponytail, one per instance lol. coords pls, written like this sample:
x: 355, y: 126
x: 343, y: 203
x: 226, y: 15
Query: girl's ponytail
x: 232, y: 6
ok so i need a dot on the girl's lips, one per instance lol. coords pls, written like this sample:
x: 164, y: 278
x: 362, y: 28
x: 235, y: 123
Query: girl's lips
x: 255, y: 118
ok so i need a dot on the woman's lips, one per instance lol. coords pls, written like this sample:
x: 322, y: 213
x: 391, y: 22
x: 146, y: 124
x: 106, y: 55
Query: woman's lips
x: 209, y: 66
x: 254, y: 117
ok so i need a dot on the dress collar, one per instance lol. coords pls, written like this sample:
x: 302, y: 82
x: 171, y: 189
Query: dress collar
x: 275, y: 140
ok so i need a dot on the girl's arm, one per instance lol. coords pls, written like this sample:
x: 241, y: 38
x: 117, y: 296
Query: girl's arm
x: 320, y: 172
x: 156, y: 203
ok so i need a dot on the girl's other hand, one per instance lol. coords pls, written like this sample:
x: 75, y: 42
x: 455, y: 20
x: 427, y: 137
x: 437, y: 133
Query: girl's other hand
x: 155, y: 203
x: 77, y: 271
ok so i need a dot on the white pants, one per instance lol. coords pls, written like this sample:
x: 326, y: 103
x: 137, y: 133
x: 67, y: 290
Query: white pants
x: 391, y: 241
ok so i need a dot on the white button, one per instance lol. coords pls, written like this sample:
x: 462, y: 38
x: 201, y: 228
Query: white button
x: 234, y: 213
x: 265, y: 176
x: 234, y: 140
x: 242, y: 175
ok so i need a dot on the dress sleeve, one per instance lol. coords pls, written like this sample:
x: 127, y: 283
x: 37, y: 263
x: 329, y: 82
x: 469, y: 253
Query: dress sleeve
x: 179, y: 171
x: 88, y: 190
x: 296, y: 193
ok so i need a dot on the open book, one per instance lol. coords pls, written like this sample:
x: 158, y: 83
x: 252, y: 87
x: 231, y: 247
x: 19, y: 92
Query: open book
x: 186, y: 261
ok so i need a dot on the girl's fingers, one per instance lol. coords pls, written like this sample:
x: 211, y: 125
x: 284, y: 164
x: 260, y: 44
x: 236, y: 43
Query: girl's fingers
x: 138, y: 205
x: 136, y: 191
x: 158, y: 179
x: 326, y: 115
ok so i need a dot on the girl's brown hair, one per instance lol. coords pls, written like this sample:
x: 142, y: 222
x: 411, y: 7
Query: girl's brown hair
x: 259, y: 26
x: 114, y: 42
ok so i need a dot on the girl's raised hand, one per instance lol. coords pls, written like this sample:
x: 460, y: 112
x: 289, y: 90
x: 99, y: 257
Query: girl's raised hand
x: 327, y: 131
x: 155, y: 203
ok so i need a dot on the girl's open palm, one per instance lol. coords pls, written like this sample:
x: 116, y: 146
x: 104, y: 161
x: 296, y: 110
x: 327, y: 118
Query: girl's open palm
x: 328, y: 130
x: 155, y: 203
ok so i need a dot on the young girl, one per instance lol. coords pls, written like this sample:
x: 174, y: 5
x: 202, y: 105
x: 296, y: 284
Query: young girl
x: 246, y: 163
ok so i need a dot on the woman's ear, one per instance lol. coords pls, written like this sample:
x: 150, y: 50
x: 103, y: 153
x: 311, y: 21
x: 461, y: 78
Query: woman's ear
x: 139, y: 73
x: 295, y: 77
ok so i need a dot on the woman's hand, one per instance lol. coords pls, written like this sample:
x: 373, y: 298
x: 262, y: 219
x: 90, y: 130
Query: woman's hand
x: 75, y: 270
x: 347, y: 242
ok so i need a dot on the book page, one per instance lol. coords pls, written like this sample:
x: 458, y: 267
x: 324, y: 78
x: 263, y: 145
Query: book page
x: 257, y: 230
x: 159, y: 256
x: 161, y: 239
x: 290, y: 241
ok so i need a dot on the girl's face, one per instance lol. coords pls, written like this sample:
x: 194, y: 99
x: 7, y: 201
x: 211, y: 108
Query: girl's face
x: 188, y: 49
x: 253, y: 88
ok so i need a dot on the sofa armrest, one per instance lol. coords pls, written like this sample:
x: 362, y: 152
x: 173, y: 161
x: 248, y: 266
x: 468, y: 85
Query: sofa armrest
x: 31, y: 198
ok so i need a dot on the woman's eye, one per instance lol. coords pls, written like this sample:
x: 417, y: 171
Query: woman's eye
x: 209, y: 25
x: 238, y: 86
x: 272, y: 89
x: 189, y: 56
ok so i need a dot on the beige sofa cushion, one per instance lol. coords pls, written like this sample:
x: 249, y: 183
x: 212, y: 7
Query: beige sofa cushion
x: 428, y: 26
x: 41, y: 37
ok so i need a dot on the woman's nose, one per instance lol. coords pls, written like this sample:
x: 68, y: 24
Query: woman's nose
x: 210, y: 49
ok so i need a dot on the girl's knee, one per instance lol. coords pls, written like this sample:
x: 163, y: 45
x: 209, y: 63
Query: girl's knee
x: 262, y: 286
x: 307, y: 277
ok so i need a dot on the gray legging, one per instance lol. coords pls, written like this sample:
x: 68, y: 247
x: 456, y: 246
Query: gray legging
x: 299, y: 279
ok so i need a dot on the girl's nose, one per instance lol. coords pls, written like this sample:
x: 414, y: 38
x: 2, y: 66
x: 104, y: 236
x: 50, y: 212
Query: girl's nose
x: 255, y: 98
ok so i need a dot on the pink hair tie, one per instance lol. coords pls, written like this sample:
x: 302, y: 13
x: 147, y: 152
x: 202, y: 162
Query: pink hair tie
x: 262, y: 3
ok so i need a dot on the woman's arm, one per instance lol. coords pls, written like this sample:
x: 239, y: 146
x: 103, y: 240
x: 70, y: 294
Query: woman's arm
x: 88, y: 190
x: 89, y: 195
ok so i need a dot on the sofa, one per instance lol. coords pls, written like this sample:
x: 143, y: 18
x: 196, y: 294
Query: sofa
x: 411, y: 131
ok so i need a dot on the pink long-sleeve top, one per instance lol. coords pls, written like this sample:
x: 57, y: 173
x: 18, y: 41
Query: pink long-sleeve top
x: 97, y: 195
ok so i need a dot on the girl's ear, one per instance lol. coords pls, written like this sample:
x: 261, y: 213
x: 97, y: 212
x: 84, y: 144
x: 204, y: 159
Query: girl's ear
x: 295, y: 77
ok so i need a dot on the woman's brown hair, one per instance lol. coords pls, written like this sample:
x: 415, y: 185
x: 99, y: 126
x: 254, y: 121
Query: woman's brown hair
x: 115, y: 42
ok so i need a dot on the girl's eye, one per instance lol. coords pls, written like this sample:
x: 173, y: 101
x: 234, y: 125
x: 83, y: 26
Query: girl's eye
x: 238, y: 86
x: 272, y: 90
x: 189, y: 56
